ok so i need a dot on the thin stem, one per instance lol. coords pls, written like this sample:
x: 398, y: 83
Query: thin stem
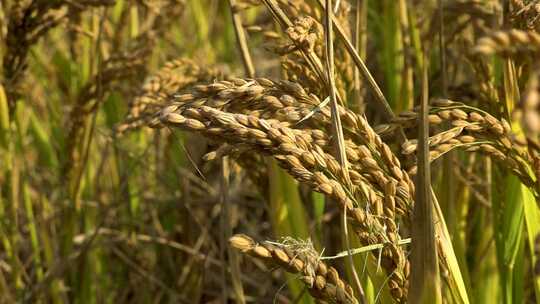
x: 389, y: 114
x: 442, y: 50
x: 383, y: 103
x: 242, y: 41
x: 226, y: 216
x: 360, y: 42
x: 339, y: 140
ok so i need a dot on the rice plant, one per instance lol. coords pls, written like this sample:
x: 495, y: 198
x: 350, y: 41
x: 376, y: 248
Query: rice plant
x: 269, y: 151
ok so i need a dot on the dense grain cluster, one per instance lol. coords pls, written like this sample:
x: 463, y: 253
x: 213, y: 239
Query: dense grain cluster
x: 525, y: 14
x: 291, y: 104
x: 305, y: 35
x: 508, y: 42
x: 302, y: 153
x: 470, y: 129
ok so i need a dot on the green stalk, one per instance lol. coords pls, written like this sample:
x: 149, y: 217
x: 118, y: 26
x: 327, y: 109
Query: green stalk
x: 234, y: 263
x: 32, y: 227
x: 483, y: 266
x: 9, y: 223
x: 391, y: 55
x: 532, y: 222
x: 288, y: 216
x: 508, y: 214
x: 319, y: 203
x: 134, y: 22
x: 339, y: 141
x: 47, y: 155
x: 526, y: 199
x: 117, y: 10
x: 48, y: 245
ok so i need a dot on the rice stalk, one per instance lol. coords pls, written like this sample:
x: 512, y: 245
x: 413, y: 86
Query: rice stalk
x: 339, y: 142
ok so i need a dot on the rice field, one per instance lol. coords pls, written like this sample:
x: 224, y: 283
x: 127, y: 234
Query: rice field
x: 270, y: 151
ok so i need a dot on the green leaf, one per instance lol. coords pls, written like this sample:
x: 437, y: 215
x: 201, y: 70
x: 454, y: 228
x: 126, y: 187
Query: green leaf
x: 508, y: 215
x: 532, y: 223
x: 42, y: 142
x: 288, y: 215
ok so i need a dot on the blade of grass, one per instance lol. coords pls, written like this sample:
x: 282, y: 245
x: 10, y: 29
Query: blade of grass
x: 529, y: 208
x: 532, y: 222
x: 508, y: 211
x: 7, y: 227
x: 448, y: 256
x: 32, y: 227
x: 363, y: 249
x: 425, y: 281
x: 288, y: 215
x: 13, y: 175
x: 249, y: 69
x: 38, y: 131
x: 508, y: 223
x: 49, y: 244
x: 319, y: 203
x: 484, y: 275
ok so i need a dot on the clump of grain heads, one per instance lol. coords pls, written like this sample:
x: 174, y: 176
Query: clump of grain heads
x: 471, y: 129
x: 508, y: 42
x: 305, y: 36
x: 372, y: 204
x: 525, y: 14
x: 290, y: 103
